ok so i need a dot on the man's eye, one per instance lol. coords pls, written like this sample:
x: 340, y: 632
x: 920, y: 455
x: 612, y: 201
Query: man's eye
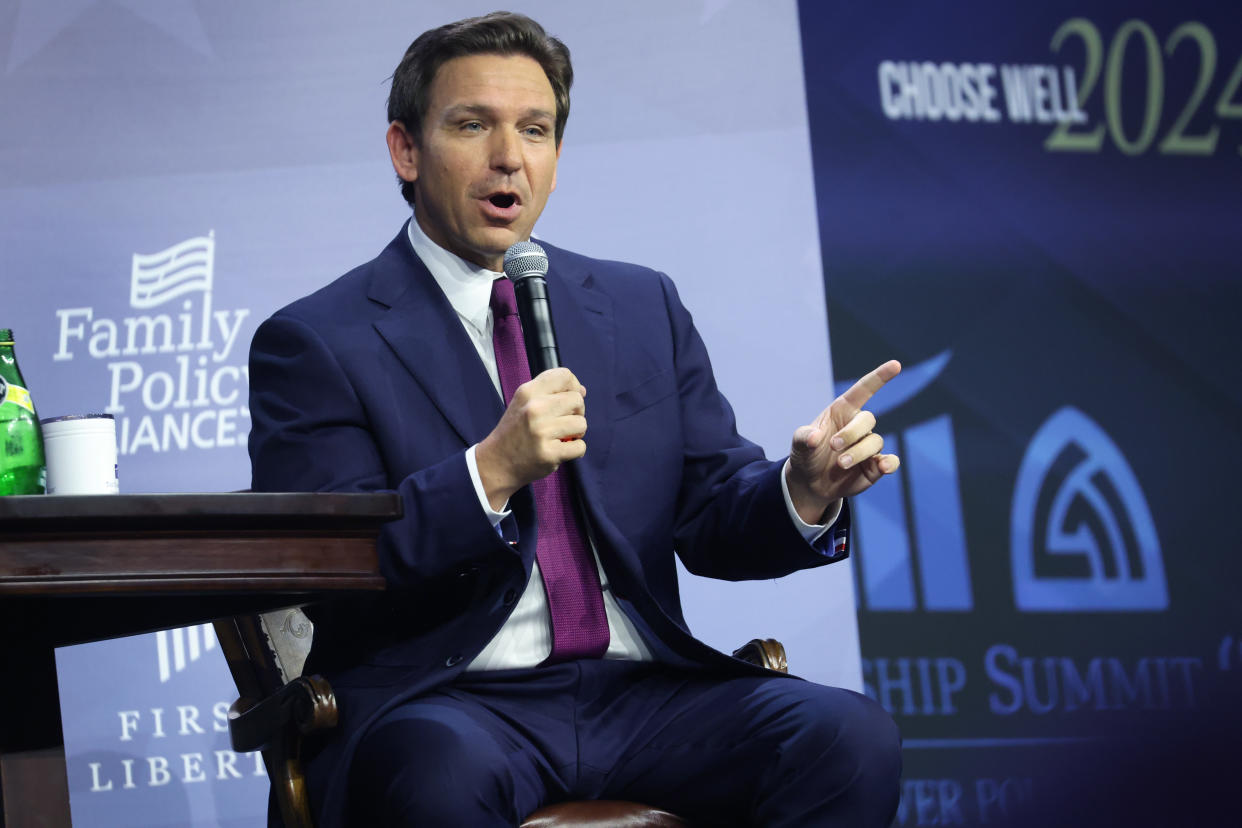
x: 535, y: 131
x: 472, y: 126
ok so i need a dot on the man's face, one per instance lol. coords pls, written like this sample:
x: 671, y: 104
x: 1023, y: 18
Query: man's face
x: 486, y: 159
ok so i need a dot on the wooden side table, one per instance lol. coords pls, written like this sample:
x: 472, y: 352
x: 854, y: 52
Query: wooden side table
x: 86, y: 568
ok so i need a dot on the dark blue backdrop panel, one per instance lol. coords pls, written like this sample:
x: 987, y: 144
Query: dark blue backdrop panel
x: 1037, y: 209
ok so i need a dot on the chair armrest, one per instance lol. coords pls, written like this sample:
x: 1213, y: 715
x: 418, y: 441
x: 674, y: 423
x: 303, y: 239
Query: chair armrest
x: 764, y: 652
x: 306, y: 702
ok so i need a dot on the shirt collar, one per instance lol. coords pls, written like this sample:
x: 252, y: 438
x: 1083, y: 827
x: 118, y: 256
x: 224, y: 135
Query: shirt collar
x: 467, y: 286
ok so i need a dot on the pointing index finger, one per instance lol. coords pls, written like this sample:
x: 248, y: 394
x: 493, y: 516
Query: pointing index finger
x: 863, y: 390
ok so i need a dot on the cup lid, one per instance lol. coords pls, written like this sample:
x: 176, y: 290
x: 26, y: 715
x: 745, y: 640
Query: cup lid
x: 75, y: 417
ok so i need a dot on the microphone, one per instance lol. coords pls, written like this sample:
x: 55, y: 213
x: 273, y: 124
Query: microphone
x: 526, y: 263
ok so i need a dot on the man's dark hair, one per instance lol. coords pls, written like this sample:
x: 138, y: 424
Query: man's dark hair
x: 498, y: 33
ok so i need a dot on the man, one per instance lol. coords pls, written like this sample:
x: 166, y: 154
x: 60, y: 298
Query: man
x: 525, y: 651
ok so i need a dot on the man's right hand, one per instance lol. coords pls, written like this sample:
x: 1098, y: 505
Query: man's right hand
x: 541, y: 428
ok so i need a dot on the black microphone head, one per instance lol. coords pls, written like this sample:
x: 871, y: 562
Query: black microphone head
x: 525, y: 259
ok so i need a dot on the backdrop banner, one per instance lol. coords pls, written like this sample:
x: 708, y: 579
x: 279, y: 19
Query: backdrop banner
x: 173, y: 172
x: 1037, y: 208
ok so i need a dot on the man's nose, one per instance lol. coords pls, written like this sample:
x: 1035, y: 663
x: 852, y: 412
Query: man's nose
x: 506, y: 151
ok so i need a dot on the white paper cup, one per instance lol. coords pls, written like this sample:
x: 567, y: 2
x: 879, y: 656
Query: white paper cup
x: 81, y: 454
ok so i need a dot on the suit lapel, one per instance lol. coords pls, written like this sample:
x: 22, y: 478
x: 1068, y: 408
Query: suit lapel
x: 586, y: 338
x: 424, y: 331
x: 586, y: 333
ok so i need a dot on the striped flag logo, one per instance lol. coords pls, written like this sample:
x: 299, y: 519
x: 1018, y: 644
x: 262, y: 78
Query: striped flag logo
x: 179, y: 648
x: 182, y: 268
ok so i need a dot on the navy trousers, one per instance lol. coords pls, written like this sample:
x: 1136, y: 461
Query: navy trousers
x: 493, y: 747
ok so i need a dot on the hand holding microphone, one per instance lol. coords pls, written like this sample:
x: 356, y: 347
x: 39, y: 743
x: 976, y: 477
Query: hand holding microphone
x: 545, y: 420
x: 526, y: 264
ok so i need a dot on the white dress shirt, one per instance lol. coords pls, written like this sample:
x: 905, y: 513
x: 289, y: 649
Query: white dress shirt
x: 525, y: 640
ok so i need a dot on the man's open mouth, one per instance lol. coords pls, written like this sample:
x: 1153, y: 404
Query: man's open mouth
x: 503, y: 200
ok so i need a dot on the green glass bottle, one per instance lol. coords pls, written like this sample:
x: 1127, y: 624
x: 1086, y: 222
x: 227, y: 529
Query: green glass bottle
x: 23, y: 469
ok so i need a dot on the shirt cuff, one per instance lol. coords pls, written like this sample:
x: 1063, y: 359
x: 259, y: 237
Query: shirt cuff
x: 495, y: 517
x: 810, y: 532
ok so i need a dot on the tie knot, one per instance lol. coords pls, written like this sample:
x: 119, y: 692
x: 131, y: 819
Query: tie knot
x: 503, y: 301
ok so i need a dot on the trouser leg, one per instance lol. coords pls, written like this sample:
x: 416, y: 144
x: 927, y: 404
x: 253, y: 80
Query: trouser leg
x: 444, y: 762
x: 747, y: 751
x: 766, y: 751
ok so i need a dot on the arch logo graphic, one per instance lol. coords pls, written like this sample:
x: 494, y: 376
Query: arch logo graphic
x: 1081, y: 535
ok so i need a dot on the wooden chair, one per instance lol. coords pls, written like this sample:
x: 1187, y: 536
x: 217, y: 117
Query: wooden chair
x: 278, y: 706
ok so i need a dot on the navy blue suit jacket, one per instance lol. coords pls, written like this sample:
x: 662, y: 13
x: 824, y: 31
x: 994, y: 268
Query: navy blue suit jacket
x: 372, y: 384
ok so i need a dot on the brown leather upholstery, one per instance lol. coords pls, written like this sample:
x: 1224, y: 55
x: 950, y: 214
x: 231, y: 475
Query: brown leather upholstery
x: 601, y: 814
x: 764, y: 652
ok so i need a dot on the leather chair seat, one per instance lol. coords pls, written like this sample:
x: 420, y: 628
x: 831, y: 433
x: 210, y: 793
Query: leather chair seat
x: 601, y: 814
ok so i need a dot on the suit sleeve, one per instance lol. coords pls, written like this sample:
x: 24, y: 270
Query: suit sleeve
x: 311, y: 432
x: 731, y: 519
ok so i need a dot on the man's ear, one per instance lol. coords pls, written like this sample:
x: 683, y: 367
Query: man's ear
x: 403, y: 150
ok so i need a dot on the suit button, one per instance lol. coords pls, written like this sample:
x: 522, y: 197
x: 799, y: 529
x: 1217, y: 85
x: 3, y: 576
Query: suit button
x: 453, y: 660
x: 510, y: 597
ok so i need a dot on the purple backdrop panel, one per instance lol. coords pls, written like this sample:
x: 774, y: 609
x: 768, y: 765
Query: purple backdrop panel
x: 171, y: 173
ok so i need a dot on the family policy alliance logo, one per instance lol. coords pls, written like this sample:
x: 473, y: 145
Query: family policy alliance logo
x: 1082, y: 538
x: 170, y: 387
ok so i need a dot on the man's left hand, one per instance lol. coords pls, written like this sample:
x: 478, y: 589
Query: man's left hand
x: 838, y: 455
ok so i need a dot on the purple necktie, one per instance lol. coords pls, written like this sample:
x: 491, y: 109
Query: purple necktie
x: 579, y: 625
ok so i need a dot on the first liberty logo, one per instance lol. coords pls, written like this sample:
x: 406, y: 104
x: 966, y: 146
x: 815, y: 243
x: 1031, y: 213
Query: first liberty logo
x: 168, y: 387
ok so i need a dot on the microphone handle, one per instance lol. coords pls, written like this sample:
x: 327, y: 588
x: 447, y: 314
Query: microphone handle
x: 537, y: 331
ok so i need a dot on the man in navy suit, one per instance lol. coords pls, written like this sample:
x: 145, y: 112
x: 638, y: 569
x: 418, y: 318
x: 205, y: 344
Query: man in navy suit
x: 461, y: 701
